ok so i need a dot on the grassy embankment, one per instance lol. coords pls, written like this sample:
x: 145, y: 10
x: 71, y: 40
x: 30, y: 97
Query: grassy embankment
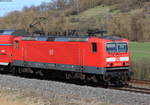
x: 140, y: 57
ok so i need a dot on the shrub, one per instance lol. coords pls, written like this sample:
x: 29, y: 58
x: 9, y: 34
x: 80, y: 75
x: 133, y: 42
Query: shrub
x: 141, y: 69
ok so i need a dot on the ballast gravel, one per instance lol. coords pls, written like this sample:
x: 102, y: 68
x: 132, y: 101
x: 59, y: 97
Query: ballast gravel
x: 71, y: 92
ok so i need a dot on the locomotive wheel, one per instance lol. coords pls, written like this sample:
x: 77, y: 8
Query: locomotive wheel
x: 2, y: 69
x: 68, y: 76
x: 14, y: 71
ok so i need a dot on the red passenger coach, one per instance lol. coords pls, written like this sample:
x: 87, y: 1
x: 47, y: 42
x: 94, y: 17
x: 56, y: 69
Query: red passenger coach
x: 96, y: 58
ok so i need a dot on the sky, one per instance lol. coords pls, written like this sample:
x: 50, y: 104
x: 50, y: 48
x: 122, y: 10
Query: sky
x: 7, y: 6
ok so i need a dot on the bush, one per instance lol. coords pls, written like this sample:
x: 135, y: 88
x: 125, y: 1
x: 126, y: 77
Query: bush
x: 141, y: 69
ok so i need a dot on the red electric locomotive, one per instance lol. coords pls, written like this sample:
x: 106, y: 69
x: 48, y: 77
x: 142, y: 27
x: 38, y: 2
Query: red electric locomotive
x: 100, y: 59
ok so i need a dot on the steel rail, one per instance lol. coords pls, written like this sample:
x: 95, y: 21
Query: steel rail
x: 134, y: 89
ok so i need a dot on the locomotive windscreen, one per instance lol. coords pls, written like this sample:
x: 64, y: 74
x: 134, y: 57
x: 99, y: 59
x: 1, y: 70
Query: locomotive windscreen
x: 19, y: 32
x: 6, y: 32
x: 117, y: 47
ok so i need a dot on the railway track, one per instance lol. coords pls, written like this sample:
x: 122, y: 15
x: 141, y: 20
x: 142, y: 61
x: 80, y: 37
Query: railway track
x: 141, y: 82
x: 137, y: 86
x: 134, y: 89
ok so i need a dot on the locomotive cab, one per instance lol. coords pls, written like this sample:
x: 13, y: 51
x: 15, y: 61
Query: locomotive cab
x: 117, y: 59
x: 117, y: 54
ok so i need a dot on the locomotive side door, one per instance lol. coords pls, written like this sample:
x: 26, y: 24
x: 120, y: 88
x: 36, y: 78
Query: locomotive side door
x: 82, y: 56
x: 16, y: 53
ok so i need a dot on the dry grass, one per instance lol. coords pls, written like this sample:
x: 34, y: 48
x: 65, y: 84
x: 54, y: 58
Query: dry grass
x: 141, y: 69
x: 116, y: 16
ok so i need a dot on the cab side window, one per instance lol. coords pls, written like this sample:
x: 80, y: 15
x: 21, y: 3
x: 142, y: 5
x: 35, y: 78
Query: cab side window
x: 94, y: 47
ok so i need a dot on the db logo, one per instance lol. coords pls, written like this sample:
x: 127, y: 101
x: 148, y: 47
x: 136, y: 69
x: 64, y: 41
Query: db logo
x: 117, y: 59
x: 51, y: 52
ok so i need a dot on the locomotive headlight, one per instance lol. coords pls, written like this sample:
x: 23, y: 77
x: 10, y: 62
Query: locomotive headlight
x: 124, y: 58
x: 110, y: 59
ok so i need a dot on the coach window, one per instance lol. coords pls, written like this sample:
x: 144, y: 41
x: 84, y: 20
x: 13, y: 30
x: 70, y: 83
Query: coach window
x: 94, y: 47
x: 16, y: 44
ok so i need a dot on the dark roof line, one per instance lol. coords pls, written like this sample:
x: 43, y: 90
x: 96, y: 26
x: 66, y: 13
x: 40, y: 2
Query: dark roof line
x: 52, y: 36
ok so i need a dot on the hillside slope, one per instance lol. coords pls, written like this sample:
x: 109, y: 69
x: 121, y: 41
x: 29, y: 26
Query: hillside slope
x: 126, y: 18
